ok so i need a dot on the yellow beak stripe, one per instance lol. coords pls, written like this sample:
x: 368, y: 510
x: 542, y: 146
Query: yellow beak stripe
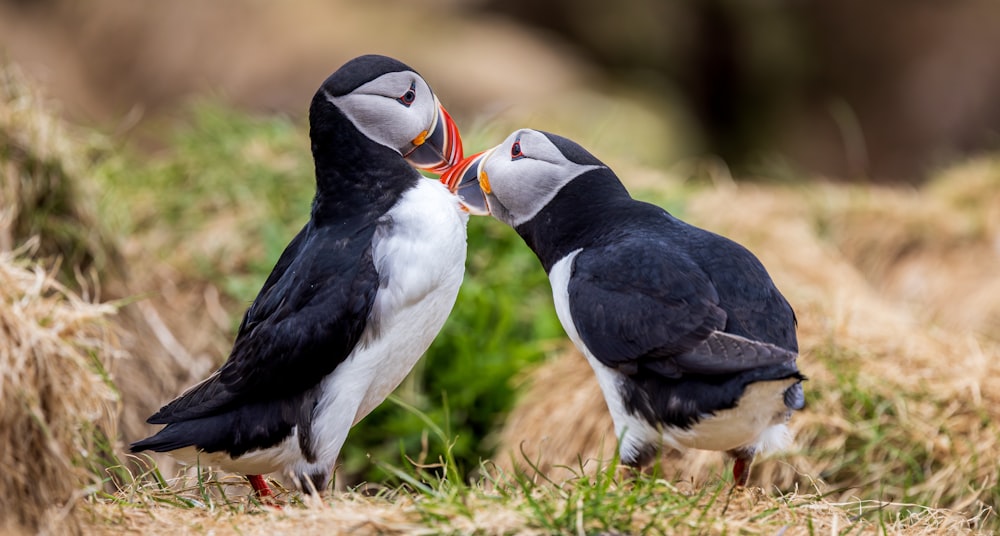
x: 420, y: 139
x: 484, y: 182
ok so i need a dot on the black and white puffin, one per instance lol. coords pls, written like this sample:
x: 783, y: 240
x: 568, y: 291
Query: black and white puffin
x: 692, y: 344
x: 353, y: 301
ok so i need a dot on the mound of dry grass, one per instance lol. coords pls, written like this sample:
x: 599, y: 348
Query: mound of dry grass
x: 933, y: 251
x: 48, y: 195
x: 903, y: 398
x: 55, y: 398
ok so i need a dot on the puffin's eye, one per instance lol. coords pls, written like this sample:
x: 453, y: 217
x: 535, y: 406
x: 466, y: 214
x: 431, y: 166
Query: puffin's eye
x: 515, y: 150
x: 408, y: 97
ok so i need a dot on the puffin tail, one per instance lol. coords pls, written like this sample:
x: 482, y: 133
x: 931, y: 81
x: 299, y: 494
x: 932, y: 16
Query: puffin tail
x: 171, y: 437
x: 795, y: 398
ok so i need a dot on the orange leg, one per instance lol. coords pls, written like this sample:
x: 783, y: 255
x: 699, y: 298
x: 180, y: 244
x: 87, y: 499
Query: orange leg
x: 741, y: 470
x: 263, y: 491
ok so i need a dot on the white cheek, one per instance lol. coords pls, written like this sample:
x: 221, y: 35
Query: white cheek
x: 382, y: 119
x: 498, y: 210
x: 524, y: 187
x: 503, y: 180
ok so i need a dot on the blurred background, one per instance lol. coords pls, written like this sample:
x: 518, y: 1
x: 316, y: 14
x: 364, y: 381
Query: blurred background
x: 845, y: 89
x: 155, y: 155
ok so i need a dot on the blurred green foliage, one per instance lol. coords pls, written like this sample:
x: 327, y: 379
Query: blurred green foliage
x: 244, y: 183
x: 231, y: 190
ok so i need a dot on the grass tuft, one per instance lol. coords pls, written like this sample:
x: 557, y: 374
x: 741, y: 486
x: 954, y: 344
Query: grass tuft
x: 56, y: 408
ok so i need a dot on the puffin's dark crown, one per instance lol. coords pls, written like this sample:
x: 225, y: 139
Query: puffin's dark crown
x: 572, y: 150
x: 360, y: 71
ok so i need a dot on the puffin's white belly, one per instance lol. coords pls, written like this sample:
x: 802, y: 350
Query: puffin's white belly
x: 419, y: 253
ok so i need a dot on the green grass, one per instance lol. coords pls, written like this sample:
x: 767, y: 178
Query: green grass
x: 243, y: 183
x: 592, y: 503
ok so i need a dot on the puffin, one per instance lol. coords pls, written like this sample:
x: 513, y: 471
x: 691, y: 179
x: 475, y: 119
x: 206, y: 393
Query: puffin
x: 691, y: 342
x: 353, y: 301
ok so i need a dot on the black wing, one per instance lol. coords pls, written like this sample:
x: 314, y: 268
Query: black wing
x: 645, y: 303
x: 290, y: 253
x: 754, y: 307
x: 305, y: 321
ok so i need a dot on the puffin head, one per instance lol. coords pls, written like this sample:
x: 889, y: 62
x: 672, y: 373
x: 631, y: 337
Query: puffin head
x: 392, y: 105
x: 515, y: 180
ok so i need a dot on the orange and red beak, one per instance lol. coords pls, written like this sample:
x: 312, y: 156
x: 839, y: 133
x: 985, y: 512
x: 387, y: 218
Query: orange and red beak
x: 439, y: 147
x: 469, y: 182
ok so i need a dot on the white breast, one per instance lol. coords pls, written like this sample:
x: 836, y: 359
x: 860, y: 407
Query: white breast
x: 419, y: 253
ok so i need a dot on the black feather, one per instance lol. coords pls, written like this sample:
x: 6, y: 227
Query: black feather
x: 238, y: 431
x: 301, y: 326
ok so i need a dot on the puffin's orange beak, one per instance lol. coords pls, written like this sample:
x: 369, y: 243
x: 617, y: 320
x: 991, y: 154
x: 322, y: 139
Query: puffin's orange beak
x: 439, y: 147
x: 469, y: 182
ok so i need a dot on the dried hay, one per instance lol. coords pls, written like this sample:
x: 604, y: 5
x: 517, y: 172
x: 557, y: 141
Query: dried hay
x: 934, y: 250
x: 876, y: 365
x: 45, y: 195
x: 56, y: 400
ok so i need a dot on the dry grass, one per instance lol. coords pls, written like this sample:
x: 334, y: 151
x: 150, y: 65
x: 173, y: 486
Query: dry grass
x: 55, y: 348
x: 904, y: 390
x: 933, y: 251
x: 47, y: 194
x: 56, y: 401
